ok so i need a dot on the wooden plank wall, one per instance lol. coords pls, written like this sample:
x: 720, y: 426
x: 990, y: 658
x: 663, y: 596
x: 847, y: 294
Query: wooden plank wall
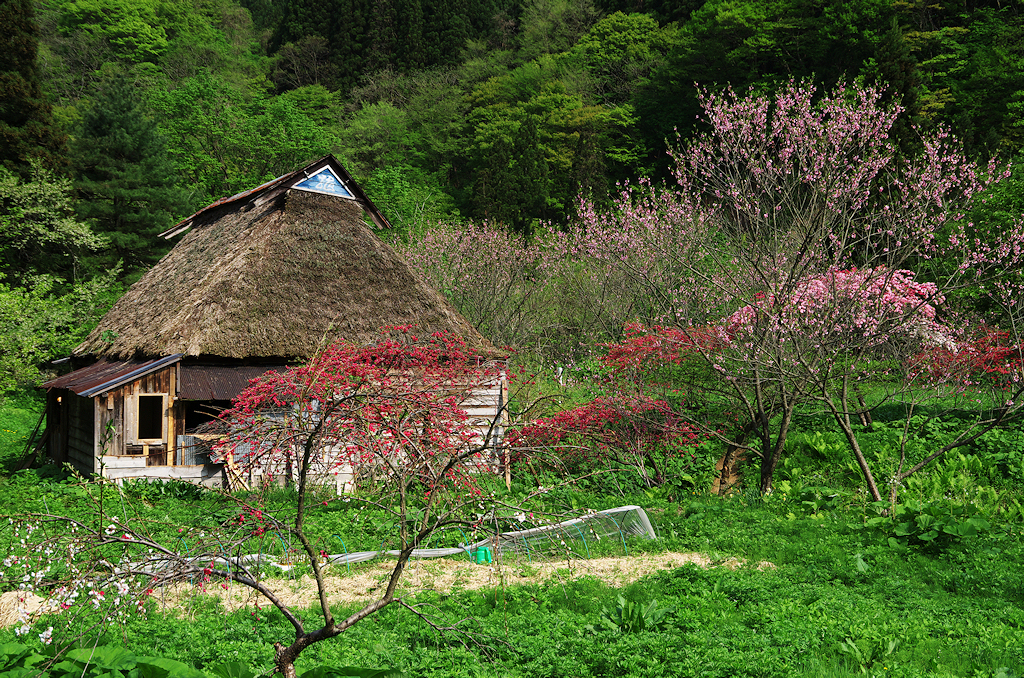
x: 484, y: 405
x: 111, y: 419
x: 120, y: 408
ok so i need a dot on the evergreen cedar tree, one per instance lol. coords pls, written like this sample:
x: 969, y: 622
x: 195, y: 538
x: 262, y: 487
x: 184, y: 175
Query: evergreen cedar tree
x: 125, y: 179
x: 27, y: 129
x: 513, y: 186
x: 370, y: 35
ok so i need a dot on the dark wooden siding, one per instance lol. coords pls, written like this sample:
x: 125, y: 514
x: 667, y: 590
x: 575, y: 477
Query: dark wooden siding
x: 81, y: 428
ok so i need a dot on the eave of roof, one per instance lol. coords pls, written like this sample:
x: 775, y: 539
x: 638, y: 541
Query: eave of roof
x: 105, y: 375
x: 219, y: 382
x: 267, y: 191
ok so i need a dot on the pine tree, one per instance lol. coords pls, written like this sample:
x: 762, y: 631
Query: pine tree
x: 894, y: 65
x: 125, y: 178
x: 411, y: 34
x: 27, y: 129
x: 445, y: 31
x: 351, y: 40
x: 385, y: 44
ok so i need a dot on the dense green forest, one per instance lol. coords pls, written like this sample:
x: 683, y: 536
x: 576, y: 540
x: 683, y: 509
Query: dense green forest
x: 120, y: 117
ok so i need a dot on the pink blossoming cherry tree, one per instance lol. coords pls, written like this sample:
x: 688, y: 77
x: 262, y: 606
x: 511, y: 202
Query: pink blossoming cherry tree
x: 804, y: 261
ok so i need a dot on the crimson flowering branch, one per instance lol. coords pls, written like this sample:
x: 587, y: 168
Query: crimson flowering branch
x: 632, y: 430
x: 398, y: 418
x: 396, y: 410
x: 401, y: 418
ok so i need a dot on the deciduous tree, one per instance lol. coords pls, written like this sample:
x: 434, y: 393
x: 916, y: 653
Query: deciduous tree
x: 39, y: 233
x: 395, y: 412
x: 223, y: 140
x: 43, y: 320
x: 789, y: 212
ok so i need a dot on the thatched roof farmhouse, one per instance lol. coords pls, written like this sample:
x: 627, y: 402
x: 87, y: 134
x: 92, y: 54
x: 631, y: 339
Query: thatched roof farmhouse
x: 259, y: 280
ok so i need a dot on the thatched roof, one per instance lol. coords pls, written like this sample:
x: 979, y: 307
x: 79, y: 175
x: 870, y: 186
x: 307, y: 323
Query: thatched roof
x: 271, y: 273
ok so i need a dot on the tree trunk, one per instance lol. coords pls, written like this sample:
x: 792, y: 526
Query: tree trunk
x: 284, y: 659
x: 843, y: 420
x: 768, y: 464
x: 724, y: 467
x: 772, y: 453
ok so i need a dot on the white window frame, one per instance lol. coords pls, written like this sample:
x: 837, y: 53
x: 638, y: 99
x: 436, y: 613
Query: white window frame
x: 134, y: 420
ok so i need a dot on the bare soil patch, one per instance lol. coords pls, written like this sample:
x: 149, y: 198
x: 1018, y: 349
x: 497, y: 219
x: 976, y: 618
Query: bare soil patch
x: 443, y: 575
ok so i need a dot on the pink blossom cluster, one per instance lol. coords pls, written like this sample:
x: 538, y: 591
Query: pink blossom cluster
x: 865, y: 306
x: 488, y: 273
x: 783, y: 189
x: 72, y: 566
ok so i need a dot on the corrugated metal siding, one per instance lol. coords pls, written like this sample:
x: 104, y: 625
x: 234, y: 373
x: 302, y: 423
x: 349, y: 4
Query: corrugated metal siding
x: 214, y: 382
x: 192, y: 451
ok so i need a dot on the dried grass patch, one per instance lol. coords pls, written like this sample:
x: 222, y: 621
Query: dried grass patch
x: 441, y: 575
x: 13, y: 603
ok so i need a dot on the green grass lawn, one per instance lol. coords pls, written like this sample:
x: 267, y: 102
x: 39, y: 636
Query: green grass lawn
x: 849, y: 592
x: 19, y: 414
x: 839, y: 601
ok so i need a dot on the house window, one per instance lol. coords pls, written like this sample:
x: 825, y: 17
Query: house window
x: 150, y: 417
x: 325, y: 181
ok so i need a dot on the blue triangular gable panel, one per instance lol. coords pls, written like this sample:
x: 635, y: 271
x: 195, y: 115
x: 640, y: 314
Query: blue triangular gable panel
x: 325, y: 182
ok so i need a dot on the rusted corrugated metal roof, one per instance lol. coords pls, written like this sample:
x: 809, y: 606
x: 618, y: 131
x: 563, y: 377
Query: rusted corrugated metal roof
x: 106, y: 375
x: 217, y: 382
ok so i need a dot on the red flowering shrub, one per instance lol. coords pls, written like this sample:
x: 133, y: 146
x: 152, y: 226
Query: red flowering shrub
x: 989, y: 358
x: 396, y: 411
x: 644, y: 348
x: 634, y: 431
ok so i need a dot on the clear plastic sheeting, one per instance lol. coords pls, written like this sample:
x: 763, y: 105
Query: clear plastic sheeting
x: 617, y: 524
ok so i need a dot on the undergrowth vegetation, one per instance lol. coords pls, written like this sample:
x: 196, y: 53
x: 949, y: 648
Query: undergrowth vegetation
x: 19, y: 414
x: 813, y: 580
